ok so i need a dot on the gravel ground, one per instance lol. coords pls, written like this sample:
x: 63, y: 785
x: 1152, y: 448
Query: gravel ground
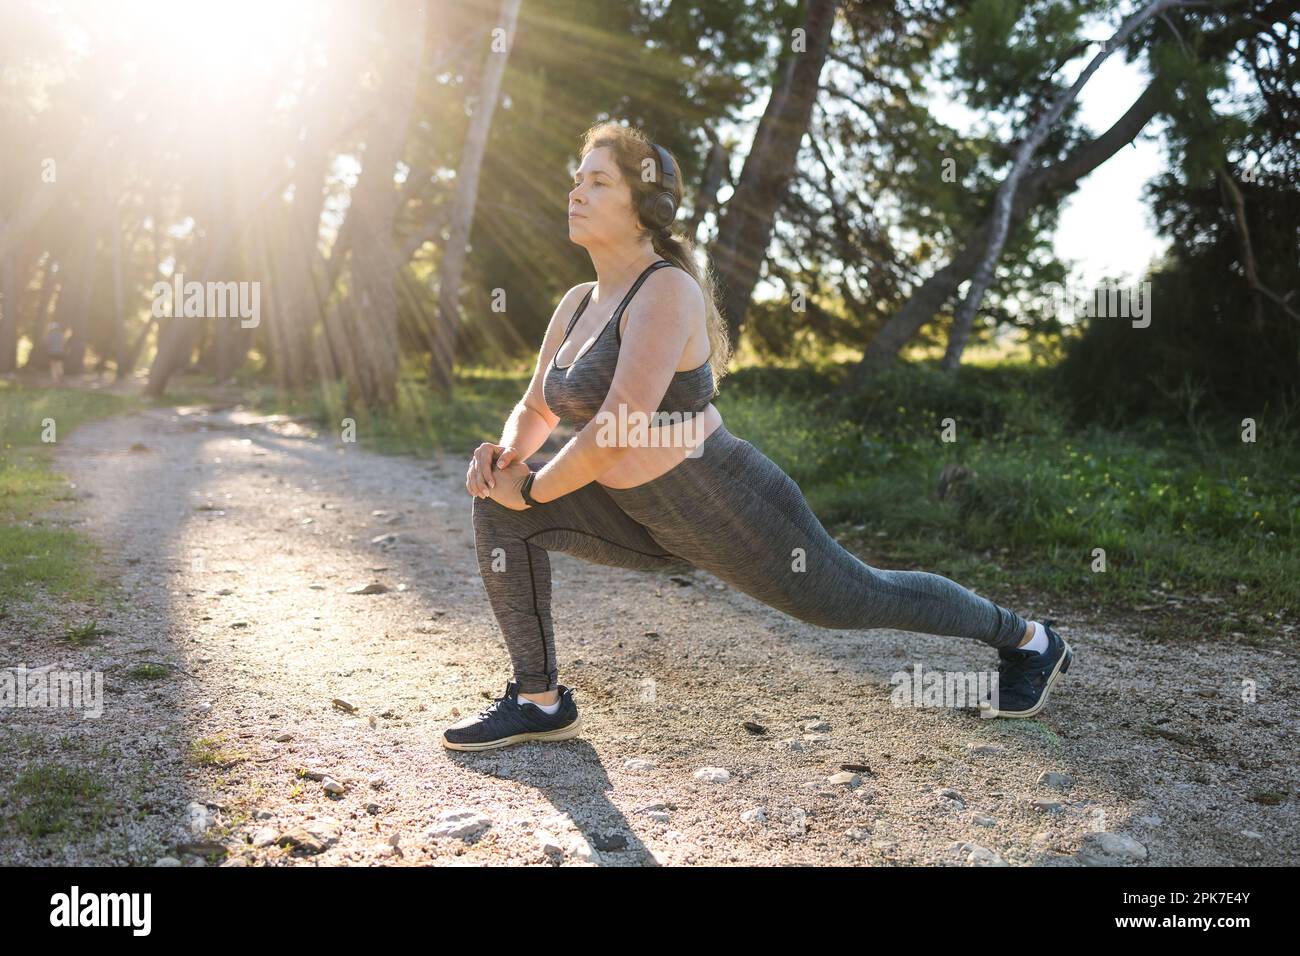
x: 295, y: 723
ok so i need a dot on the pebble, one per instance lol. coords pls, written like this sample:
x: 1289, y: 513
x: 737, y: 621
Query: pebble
x: 460, y: 824
x: 636, y: 763
x: 975, y: 855
x: 1046, y: 806
x: 265, y: 836
x: 754, y: 815
x: 844, y: 778
x: 1057, y: 781
x: 981, y: 820
x: 1104, y: 848
x: 712, y: 774
x: 313, y: 836
x: 330, y: 785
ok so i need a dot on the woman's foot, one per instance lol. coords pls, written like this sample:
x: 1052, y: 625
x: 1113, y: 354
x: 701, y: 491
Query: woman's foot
x: 508, y: 720
x: 1025, y: 677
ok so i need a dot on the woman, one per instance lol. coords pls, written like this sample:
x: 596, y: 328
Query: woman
x: 647, y: 338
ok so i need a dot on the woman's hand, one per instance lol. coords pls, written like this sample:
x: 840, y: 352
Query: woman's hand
x: 507, y: 490
x: 486, y: 463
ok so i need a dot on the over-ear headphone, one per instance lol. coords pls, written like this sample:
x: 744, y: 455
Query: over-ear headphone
x: 659, y: 209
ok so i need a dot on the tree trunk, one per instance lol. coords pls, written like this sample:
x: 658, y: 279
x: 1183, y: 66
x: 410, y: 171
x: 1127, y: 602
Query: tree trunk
x: 462, y: 215
x: 373, y: 300
x: 748, y: 217
x: 710, y: 183
x: 8, y: 305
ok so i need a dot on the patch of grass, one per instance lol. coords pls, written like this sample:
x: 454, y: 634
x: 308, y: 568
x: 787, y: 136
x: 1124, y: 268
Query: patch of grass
x: 82, y: 635
x: 50, y: 798
x: 148, y: 671
x: 211, y: 752
x: 419, y: 422
x: 35, y: 555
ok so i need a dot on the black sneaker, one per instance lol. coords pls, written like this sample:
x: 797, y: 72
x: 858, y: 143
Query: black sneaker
x: 507, y: 721
x: 1025, y: 678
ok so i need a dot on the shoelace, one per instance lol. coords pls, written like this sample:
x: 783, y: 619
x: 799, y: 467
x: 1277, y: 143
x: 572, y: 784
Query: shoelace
x: 491, y: 709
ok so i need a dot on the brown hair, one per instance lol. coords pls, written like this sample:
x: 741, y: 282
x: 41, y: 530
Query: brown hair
x: 630, y: 149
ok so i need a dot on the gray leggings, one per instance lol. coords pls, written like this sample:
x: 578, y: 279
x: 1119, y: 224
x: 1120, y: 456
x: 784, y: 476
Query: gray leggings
x: 730, y: 511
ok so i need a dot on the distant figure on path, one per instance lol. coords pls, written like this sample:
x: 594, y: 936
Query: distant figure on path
x: 54, y: 349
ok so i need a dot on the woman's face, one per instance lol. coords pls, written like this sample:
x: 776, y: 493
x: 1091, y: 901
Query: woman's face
x: 600, y: 203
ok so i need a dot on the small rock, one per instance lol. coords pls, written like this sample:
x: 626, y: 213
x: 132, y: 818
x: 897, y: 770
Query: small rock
x: 198, y: 817
x: 313, y: 836
x: 330, y: 785
x: 265, y: 836
x: 1057, y: 781
x: 636, y: 763
x: 608, y: 843
x: 711, y: 774
x: 984, y: 748
x: 579, y: 848
x: 168, y: 860
x: 844, y: 779
x: 548, y: 844
x: 347, y: 705
x: 980, y: 820
x: 814, y: 726
x: 374, y: 587
x: 1103, y: 848
x: 460, y: 824
x: 975, y: 855
x: 798, y: 825
x: 386, y: 538
x: 754, y: 815
x: 1046, y: 806
x: 285, y: 737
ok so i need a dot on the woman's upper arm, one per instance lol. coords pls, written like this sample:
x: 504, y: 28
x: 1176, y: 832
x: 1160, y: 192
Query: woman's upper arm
x: 658, y: 329
x: 533, y: 397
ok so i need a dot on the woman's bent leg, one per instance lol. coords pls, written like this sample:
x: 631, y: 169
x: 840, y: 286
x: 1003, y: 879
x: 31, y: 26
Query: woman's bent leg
x: 733, y: 512
x: 515, y: 567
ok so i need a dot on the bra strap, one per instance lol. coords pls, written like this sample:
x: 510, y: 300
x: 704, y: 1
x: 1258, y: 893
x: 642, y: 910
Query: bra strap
x: 618, y: 313
x: 582, y: 307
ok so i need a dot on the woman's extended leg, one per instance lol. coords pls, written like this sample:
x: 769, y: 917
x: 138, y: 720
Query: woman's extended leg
x: 512, y: 551
x: 733, y: 512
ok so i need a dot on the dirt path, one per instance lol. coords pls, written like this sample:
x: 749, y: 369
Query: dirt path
x: 237, y: 539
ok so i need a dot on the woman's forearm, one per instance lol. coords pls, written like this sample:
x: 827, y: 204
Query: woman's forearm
x: 581, y: 461
x: 526, y: 431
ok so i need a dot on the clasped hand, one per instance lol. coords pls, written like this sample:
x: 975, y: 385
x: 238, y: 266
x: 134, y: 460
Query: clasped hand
x: 496, y: 472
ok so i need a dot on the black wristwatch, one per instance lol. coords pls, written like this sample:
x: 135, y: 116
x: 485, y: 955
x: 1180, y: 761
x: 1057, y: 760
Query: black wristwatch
x: 526, y: 487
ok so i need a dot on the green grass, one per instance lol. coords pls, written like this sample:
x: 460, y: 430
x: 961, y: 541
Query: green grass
x: 418, y: 423
x: 148, y: 671
x: 51, y: 798
x: 36, y: 554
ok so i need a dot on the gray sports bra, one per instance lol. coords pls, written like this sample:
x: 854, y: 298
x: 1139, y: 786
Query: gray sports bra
x: 576, y: 391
